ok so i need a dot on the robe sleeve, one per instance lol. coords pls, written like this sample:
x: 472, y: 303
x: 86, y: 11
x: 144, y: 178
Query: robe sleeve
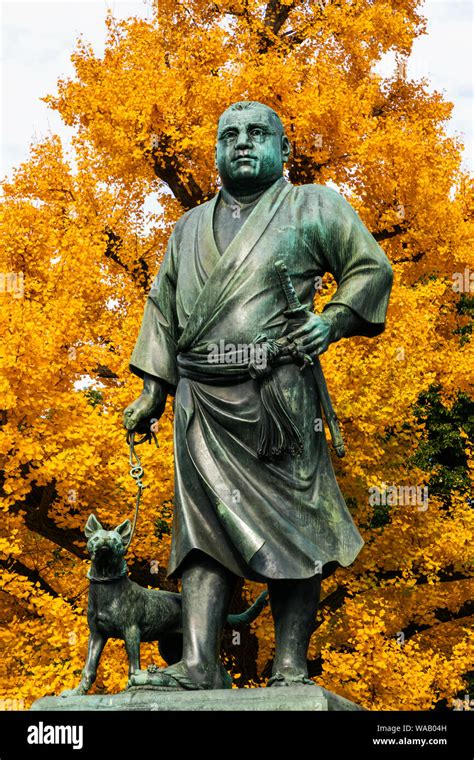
x: 361, y: 269
x: 155, y: 349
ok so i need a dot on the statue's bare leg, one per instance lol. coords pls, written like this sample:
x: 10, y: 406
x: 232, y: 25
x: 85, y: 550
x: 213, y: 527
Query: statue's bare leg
x: 294, y: 606
x: 207, y: 589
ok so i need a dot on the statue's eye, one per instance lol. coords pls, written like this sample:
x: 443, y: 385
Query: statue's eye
x: 229, y: 136
x: 256, y: 132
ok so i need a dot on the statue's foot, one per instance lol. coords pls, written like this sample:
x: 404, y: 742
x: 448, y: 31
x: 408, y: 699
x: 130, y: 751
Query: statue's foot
x: 179, y: 677
x: 281, y: 679
x: 77, y: 691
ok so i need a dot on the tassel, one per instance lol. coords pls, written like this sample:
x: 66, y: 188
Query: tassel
x: 277, y: 433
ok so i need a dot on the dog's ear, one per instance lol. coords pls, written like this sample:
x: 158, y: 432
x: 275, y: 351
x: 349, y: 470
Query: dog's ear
x: 125, y: 531
x: 92, y: 525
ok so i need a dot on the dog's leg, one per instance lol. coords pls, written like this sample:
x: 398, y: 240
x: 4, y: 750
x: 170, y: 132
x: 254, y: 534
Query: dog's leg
x: 96, y: 645
x: 132, y: 646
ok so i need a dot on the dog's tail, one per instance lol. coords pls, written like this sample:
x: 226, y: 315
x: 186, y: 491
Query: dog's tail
x: 244, y: 618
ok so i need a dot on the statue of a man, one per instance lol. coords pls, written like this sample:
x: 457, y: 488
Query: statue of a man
x: 255, y: 491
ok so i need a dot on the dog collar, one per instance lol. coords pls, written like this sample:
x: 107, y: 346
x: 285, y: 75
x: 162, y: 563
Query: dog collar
x: 107, y: 579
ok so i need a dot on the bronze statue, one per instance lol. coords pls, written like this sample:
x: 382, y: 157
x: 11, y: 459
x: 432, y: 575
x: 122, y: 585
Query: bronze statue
x: 255, y: 490
x: 118, y: 608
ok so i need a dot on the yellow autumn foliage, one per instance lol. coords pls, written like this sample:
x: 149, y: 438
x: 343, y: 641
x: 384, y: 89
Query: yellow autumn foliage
x: 82, y: 236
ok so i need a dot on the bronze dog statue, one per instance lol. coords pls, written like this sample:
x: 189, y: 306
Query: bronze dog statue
x: 119, y: 608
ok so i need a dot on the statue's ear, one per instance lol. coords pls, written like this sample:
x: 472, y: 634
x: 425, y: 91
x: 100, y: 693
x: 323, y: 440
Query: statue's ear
x: 125, y: 531
x: 92, y: 525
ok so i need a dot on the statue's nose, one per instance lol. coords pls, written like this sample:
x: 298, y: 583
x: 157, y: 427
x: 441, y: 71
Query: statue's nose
x: 243, y: 140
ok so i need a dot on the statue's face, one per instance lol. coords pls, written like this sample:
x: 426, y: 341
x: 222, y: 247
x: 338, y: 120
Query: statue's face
x: 250, y: 150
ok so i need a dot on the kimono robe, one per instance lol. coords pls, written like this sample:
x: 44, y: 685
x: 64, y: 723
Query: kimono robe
x: 280, y: 519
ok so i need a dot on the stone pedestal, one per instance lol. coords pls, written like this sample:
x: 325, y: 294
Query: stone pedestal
x: 293, y: 698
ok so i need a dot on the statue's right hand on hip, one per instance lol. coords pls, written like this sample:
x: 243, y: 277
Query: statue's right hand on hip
x: 143, y: 413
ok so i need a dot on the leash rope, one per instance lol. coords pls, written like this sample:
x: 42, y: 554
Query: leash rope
x: 137, y: 472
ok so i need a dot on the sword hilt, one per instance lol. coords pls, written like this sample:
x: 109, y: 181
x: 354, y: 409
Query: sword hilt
x: 295, y: 307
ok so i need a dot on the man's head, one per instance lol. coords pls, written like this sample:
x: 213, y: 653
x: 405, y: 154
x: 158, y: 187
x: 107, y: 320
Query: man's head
x: 251, y: 147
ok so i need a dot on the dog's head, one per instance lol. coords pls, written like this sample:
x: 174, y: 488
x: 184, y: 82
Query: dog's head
x: 105, y: 546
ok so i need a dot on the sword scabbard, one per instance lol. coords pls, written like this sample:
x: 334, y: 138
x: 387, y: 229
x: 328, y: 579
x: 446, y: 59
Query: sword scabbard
x: 296, y: 311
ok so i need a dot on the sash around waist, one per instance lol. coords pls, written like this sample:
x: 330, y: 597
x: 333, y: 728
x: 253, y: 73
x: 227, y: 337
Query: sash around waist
x: 277, y: 431
x: 221, y: 370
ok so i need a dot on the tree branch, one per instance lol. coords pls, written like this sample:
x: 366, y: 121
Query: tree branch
x: 442, y: 615
x: 334, y: 600
x: 411, y: 259
x: 303, y: 170
x: 275, y: 16
x: 140, y: 271
x: 337, y: 598
x: 37, y: 519
x: 63, y: 191
x: 397, y: 229
x: 167, y: 168
x: 446, y: 577
x: 15, y: 566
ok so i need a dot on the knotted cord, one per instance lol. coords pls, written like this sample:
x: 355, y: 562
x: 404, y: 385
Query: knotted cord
x: 136, y: 470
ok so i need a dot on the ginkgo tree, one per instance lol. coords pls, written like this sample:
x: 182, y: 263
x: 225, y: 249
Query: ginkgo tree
x: 80, y: 247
